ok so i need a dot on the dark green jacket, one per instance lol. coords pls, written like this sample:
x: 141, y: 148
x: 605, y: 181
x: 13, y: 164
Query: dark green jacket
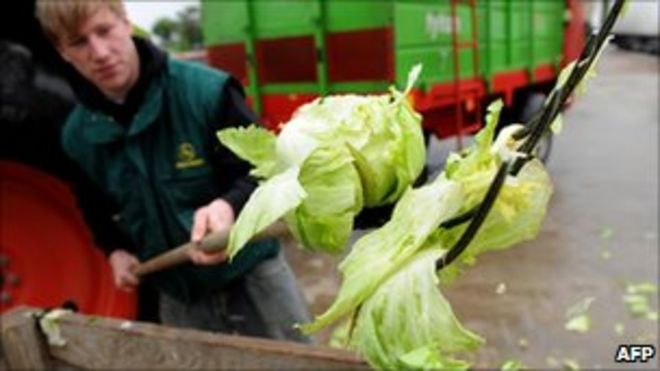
x: 161, y: 166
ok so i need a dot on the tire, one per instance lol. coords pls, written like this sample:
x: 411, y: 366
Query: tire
x: 533, y: 103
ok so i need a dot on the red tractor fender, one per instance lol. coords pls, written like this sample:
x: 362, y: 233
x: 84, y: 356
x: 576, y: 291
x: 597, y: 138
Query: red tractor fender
x: 47, y: 256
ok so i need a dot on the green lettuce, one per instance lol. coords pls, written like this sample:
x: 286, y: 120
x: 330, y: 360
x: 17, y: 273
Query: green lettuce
x: 266, y: 209
x: 423, y: 343
x: 349, y: 152
x: 383, y: 267
x: 378, y: 254
x: 255, y: 145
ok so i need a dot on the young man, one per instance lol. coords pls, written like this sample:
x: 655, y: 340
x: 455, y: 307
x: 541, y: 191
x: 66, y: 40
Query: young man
x: 144, y: 133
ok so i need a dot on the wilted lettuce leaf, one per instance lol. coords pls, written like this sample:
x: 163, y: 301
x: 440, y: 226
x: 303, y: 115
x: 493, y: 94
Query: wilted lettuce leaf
x: 378, y: 254
x: 520, y: 206
x: 255, y: 145
x: 408, y: 324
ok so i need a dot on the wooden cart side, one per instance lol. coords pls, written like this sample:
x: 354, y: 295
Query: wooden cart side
x: 23, y: 345
x: 100, y: 342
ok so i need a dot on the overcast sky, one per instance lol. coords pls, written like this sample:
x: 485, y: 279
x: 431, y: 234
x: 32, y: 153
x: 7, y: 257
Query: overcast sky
x: 144, y: 13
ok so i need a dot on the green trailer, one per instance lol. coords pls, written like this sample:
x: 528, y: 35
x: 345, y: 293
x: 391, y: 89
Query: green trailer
x: 289, y: 52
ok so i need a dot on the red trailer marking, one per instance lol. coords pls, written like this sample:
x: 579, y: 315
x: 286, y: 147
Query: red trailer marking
x: 441, y: 95
x: 286, y: 60
x: 278, y: 108
x: 230, y: 58
x: 365, y: 55
x: 573, y: 32
x: 544, y: 73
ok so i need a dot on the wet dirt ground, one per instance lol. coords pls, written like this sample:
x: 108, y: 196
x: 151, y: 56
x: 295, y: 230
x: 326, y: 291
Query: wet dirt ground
x: 599, y: 235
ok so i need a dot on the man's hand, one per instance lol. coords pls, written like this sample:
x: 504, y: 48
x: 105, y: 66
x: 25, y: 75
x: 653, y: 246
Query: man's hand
x: 216, y: 216
x: 123, y: 265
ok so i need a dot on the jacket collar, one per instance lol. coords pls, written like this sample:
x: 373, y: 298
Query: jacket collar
x: 102, y: 128
x: 110, y: 121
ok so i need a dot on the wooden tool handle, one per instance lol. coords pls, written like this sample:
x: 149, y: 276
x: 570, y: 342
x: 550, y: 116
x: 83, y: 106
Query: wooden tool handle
x: 213, y: 242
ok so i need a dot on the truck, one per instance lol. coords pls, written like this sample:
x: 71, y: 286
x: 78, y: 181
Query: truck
x: 288, y: 53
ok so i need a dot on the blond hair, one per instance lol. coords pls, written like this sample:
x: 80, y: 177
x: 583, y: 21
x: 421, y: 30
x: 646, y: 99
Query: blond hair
x: 62, y: 18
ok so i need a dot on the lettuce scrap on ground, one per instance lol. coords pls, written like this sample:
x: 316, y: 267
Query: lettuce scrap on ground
x: 619, y: 328
x: 578, y: 318
x: 512, y: 365
x: 637, y: 300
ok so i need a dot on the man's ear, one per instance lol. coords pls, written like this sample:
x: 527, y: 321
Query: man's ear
x: 60, y: 50
x: 129, y: 24
x: 63, y: 54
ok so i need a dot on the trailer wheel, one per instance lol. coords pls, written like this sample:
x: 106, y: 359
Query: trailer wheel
x: 533, y: 103
x: 47, y: 257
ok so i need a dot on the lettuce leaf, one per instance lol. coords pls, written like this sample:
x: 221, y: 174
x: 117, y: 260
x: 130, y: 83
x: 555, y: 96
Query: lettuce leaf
x: 325, y: 217
x: 265, y: 209
x: 255, y: 145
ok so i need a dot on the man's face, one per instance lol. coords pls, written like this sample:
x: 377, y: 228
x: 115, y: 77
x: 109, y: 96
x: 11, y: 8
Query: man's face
x: 103, y: 52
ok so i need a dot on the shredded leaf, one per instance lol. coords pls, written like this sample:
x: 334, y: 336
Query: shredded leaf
x: 580, y: 323
x: 642, y: 288
x: 578, y: 319
x: 512, y: 365
x: 552, y: 362
x: 637, y: 304
x: 619, y: 328
x: 571, y: 364
x: 606, y: 233
x: 49, y: 324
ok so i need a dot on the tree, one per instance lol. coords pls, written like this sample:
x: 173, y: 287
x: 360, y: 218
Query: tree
x: 189, y: 27
x: 164, y: 29
x: 180, y: 34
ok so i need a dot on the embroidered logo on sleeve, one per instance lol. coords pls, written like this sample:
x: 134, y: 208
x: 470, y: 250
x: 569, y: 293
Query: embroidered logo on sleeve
x: 187, y: 157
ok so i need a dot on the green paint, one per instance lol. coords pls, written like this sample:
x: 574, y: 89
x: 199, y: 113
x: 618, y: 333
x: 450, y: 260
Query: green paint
x: 511, y: 35
x: 333, y: 88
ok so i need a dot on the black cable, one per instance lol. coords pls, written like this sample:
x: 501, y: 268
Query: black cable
x: 561, y: 95
x: 535, y: 129
x: 477, y: 220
